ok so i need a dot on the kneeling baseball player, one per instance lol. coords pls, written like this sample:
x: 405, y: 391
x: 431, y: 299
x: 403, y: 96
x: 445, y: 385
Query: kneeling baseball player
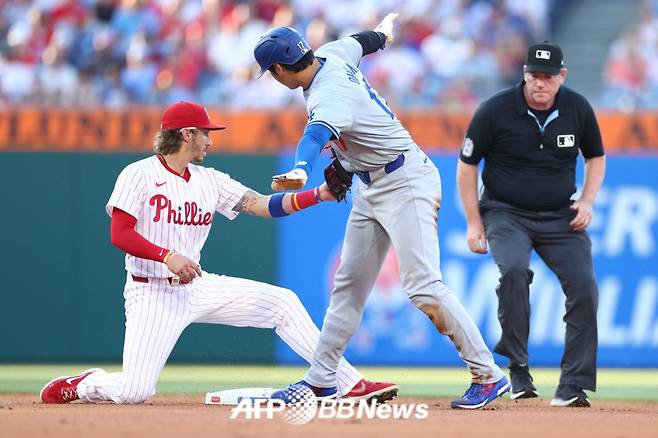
x: 162, y: 210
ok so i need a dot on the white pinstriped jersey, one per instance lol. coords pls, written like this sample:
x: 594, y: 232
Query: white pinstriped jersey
x: 171, y: 212
x: 368, y: 135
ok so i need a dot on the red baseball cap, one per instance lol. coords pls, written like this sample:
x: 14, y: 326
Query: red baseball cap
x: 187, y: 115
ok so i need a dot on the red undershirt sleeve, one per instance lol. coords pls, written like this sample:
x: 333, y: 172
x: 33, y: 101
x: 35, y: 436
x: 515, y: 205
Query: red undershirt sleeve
x: 124, y: 237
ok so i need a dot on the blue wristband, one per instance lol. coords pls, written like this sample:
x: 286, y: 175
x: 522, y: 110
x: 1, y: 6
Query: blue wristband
x: 276, y: 205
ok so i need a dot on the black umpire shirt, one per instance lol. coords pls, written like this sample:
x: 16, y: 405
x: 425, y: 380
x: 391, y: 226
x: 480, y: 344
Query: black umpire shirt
x: 530, y: 156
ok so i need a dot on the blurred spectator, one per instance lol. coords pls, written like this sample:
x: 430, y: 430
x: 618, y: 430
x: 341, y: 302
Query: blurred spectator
x: 626, y: 74
x: 17, y: 72
x: 58, y: 80
x: 631, y: 71
x: 448, y: 53
x: 138, y: 76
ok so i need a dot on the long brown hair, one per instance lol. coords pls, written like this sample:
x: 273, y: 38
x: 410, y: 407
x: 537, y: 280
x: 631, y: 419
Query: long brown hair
x: 167, y: 141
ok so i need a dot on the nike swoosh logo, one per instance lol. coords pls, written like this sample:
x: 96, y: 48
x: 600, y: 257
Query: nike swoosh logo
x: 361, y: 388
x: 70, y: 380
x: 160, y: 184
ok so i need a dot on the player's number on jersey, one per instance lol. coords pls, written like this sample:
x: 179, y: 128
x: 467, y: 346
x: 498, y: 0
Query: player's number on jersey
x: 374, y: 97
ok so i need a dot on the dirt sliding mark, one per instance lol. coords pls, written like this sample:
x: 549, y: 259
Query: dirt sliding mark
x: 172, y: 416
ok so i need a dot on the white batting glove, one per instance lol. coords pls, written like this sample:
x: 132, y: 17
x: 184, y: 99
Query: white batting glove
x: 293, y: 180
x: 386, y: 27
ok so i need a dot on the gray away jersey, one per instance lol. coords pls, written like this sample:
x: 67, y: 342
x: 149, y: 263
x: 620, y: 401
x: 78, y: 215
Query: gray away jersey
x: 367, y: 133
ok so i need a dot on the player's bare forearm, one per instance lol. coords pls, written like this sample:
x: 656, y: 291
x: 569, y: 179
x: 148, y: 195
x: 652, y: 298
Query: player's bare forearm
x: 259, y: 205
x: 253, y: 203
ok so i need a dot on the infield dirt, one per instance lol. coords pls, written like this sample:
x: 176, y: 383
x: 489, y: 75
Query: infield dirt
x: 23, y: 416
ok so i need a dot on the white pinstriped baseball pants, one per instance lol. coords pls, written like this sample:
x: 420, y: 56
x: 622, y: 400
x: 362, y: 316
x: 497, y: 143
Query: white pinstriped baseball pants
x: 157, y: 313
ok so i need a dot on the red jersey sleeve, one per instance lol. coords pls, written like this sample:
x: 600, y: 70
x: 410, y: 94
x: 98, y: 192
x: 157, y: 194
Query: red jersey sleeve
x: 124, y: 237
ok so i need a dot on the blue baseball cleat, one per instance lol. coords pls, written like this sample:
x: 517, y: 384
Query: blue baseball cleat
x: 481, y: 394
x: 293, y: 393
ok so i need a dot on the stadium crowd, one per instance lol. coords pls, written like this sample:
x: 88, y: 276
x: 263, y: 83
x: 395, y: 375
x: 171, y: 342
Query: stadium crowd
x: 450, y: 53
x: 631, y: 71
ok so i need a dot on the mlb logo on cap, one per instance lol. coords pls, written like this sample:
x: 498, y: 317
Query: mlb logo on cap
x: 543, y: 54
x: 545, y: 57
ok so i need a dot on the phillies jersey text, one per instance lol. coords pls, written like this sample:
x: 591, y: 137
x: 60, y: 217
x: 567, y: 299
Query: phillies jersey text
x: 172, y: 212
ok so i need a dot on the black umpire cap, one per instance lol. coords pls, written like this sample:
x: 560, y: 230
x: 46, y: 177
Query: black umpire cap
x: 544, y: 57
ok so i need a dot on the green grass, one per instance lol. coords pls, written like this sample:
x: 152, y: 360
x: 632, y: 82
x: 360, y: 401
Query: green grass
x: 613, y: 384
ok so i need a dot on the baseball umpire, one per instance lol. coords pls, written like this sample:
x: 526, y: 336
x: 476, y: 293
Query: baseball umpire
x: 396, y: 202
x: 529, y: 137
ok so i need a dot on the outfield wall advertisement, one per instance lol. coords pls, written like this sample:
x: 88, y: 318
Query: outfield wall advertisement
x: 624, y: 234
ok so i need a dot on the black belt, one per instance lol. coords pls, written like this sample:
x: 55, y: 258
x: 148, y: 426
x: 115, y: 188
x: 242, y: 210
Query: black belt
x: 373, y: 175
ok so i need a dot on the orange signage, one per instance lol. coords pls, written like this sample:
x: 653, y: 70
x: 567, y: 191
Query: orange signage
x: 48, y: 129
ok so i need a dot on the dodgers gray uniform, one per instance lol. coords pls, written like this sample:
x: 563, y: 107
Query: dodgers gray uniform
x: 395, y: 205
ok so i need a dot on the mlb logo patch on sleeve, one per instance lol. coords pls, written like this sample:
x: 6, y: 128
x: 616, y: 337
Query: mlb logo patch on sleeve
x: 467, y: 147
x: 566, y: 141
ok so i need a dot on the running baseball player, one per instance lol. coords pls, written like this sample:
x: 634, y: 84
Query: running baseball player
x: 397, y: 201
x: 162, y: 210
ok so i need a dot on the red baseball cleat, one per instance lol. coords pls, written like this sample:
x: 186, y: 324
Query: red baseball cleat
x: 368, y: 390
x: 64, y: 389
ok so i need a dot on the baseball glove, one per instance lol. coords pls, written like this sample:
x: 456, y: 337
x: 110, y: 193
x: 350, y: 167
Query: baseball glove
x: 338, y: 179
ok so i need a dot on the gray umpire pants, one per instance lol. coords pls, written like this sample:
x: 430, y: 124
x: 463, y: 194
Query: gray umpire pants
x: 512, y: 233
x: 401, y: 209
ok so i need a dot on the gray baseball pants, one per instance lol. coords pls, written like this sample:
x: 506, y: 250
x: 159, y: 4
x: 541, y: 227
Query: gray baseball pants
x: 401, y: 209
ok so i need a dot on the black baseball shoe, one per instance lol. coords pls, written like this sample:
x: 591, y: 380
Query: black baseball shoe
x: 579, y: 400
x: 522, y: 386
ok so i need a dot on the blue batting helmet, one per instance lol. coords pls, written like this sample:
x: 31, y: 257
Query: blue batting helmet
x: 281, y: 45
